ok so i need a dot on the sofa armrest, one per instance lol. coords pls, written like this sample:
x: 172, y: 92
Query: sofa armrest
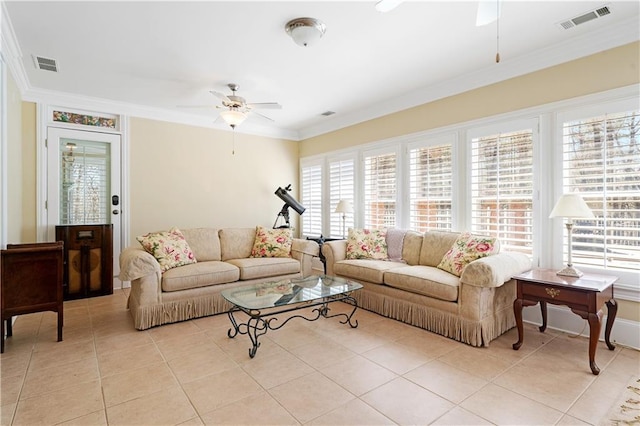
x: 333, y: 251
x: 136, y: 263
x: 304, y: 251
x: 493, y: 271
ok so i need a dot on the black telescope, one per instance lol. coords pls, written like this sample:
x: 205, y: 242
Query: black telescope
x: 289, y: 201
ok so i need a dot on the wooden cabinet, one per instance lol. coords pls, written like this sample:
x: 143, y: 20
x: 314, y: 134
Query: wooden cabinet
x: 88, y: 260
x: 31, y: 281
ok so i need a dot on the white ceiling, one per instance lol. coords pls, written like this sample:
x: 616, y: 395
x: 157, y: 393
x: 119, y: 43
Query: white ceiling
x: 151, y: 58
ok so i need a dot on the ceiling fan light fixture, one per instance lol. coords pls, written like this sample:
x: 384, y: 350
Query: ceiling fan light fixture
x: 233, y: 117
x: 305, y: 31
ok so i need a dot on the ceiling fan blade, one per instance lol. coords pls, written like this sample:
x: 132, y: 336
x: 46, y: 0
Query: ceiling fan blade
x: 263, y: 116
x: 196, y: 106
x: 265, y: 105
x: 220, y: 95
x: 488, y: 12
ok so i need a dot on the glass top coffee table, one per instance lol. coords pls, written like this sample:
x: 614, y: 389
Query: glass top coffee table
x: 263, y: 301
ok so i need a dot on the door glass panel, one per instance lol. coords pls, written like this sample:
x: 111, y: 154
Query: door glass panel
x: 85, y: 177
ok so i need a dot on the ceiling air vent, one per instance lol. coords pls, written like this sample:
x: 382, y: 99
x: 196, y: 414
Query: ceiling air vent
x: 46, y: 64
x: 585, y: 17
x: 328, y: 113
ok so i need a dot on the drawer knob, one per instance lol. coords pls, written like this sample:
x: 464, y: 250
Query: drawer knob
x: 553, y: 292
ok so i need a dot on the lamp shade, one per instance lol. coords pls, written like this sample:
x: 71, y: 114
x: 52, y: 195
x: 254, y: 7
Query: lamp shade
x: 344, y: 206
x: 233, y: 117
x: 571, y: 205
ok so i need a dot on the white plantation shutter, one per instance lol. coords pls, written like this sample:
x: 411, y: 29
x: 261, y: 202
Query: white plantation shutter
x: 601, y: 161
x: 85, y: 182
x: 502, y: 188
x: 430, y: 192
x: 341, y: 187
x: 311, y: 199
x: 380, y: 190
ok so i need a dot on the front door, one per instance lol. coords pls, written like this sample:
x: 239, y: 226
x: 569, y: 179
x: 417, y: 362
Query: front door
x: 83, y: 175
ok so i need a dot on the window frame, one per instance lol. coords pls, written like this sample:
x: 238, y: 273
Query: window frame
x: 501, y: 127
x: 624, y: 286
x: 435, y: 140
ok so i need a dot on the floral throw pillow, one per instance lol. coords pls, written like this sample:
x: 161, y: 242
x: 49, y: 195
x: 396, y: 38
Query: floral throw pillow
x: 367, y: 244
x: 272, y: 242
x: 465, y: 250
x: 168, y: 247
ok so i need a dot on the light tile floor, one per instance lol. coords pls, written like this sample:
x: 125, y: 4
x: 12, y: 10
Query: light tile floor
x: 323, y: 372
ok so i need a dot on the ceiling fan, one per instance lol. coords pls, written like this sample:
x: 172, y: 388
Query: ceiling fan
x: 235, y: 108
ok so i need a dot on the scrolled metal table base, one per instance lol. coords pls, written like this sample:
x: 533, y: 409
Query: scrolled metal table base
x: 259, y: 323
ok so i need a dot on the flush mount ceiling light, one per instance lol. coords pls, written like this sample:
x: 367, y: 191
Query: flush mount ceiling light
x: 305, y: 31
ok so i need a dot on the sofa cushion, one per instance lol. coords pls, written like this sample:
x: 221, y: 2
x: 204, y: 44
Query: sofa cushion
x: 367, y: 244
x: 411, y: 246
x: 236, y: 243
x: 204, y: 242
x: 199, y: 274
x: 272, y: 242
x: 434, y: 246
x: 465, y: 250
x: 425, y: 280
x: 364, y: 269
x: 262, y: 267
x: 168, y: 247
x: 395, y: 242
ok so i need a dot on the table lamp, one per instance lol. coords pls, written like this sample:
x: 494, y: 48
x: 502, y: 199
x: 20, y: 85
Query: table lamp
x: 344, y: 207
x: 570, y: 206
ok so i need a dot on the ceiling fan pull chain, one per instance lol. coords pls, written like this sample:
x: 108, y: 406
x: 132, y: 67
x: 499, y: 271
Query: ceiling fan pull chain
x: 497, y: 31
x: 233, y: 147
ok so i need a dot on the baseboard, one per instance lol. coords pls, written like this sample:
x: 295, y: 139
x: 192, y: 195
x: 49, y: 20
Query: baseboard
x: 624, y: 332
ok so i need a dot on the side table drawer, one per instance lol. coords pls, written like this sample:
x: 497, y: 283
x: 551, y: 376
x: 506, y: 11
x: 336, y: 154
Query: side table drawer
x: 554, y: 294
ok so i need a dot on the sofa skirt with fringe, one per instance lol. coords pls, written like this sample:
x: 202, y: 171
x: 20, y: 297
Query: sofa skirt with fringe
x: 445, y: 321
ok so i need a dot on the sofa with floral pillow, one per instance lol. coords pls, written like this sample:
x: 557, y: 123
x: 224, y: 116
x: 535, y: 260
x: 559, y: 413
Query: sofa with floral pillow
x: 178, y: 274
x: 455, y: 284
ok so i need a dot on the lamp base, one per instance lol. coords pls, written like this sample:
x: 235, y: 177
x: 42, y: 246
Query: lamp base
x: 570, y: 271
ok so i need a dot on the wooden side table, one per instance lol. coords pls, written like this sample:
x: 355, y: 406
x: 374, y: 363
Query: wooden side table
x: 31, y: 281
x: 585, y: 296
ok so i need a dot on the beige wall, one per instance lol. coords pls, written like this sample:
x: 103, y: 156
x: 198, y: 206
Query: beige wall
x: 15, y: 184
x: 187, y: 176
x: 596, y: 73
x: 29, y: 231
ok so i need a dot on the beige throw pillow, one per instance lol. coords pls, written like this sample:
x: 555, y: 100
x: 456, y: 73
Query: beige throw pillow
x: 367, y: 244
x: 272, y: 242
x: 465, y: 250
x: 168, y: 247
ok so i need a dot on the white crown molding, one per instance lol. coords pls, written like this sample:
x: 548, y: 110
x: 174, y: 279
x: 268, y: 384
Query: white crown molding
x: 11, y: 51
x: 589, y: 44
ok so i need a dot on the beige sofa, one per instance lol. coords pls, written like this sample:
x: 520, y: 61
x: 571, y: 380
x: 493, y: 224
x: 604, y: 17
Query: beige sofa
x: 474, y: 308
x: 192, y: 291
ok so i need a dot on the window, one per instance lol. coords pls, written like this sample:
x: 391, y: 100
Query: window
x: 601, y: 161
x: 380, y: 190
x: 430, y: 191
x: 341, y: 187
x: 311, y: 199
x: 85, y: 182
x: 502, y: 188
